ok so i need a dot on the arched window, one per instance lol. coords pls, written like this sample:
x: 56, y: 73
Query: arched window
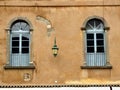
x: 19, y: 42
x: 95, y: 36
x: 95, y: 43
x: 19, y: 45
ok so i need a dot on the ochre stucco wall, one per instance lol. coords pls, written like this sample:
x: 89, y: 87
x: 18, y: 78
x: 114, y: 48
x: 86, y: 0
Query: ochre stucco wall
x: 67, y: 23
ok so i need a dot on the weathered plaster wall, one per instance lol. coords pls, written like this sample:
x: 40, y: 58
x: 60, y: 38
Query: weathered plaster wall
x: 67, y: 23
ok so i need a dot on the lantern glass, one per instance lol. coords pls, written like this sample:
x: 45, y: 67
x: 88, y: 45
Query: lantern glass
x: 55, y: 51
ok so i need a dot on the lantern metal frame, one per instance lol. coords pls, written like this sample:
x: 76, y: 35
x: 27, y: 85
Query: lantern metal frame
x: 55, y: 48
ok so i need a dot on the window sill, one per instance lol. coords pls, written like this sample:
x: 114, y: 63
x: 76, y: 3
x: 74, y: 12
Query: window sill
x: 19, y: 67
x: 96, y: 67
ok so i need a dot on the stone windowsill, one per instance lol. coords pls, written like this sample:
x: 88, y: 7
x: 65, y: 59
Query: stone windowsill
x: 96, y: 67
x: 19, y: 67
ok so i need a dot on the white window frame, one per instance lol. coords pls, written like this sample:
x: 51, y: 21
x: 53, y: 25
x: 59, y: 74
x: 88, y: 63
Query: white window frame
x: 95, y: 58
x: 29, y: 64
x: 104, y: 30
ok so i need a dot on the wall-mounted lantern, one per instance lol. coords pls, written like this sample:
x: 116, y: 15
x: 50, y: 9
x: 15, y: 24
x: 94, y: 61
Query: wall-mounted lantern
x: 55, y: 48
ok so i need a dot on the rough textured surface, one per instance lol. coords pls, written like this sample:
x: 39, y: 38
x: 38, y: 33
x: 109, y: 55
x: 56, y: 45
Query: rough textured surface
x: 66, y: 21
x: 59, y: 3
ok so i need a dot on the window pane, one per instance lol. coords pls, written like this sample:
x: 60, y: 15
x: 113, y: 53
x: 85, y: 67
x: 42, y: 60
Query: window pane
x: 94, y: 22
x: 90, y: 42
x: 15, y: 38
x: 90, y: 36
x: 25, y: 43
x: 100, y: 49
x: 15, y: 43
x: 89, y: 27
x: 97, y: 22
x: 91, y: 22
x: 100, y: 42
x: 15, y: 50
x: 25, y: 38
x: 25, y: 50
x: 90, y: 49
x: 99, y: 36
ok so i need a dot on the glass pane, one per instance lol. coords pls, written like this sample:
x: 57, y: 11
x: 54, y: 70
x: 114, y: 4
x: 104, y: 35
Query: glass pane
x: 94, y: 24
x: 20, y: 25
x: 15, y: 38
x: 100, y: 49
x: 91, y: 22
x: 25, y: 50
x: 99, y: 36
x: 25, y: 43
x: 97, y: 22
x: 89, y: 27
x: 100, y: 42
x: 90, y: 42
x: 90, y: 49
x: 15, y: 43
x: 100, y: 27
x: 15, y: 50
x: 25, y: 38
x: 90, y: 36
